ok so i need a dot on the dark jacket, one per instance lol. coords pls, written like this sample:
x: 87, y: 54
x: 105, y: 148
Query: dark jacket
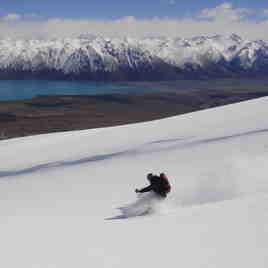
x: 157, y: 185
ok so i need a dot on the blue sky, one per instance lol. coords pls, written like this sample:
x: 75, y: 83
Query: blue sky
x: 113, y: 9
x: 58, y: 18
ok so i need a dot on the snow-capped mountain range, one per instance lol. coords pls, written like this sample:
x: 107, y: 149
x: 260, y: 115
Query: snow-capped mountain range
x: 152, y: 58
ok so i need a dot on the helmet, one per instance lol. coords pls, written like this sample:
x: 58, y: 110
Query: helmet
x: 149, y: 176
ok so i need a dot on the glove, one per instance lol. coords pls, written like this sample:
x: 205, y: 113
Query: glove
x: 137, y: 190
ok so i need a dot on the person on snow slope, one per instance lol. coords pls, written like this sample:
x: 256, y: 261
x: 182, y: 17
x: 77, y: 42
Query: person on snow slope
x: 158, y: 184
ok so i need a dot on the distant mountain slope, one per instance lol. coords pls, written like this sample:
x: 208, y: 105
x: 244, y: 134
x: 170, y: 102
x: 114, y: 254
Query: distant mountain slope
x: 99, y: 58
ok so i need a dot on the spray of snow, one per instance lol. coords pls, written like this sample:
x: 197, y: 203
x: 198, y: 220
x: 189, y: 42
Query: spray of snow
x: 146, y: 203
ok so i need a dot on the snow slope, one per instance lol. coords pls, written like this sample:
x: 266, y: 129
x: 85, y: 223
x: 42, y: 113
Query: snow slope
x: 60, y: 193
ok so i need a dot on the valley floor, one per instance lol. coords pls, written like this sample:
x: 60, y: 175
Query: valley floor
x: 54, y: 113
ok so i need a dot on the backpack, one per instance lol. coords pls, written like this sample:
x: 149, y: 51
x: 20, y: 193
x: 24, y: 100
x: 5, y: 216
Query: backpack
x: 166, y: 184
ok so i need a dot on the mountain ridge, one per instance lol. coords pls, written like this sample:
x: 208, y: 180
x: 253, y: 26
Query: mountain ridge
x: 98, y: 58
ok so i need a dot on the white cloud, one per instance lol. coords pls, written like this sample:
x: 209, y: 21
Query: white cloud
x: 15, y: 17
x: 168, y: 2
x: 32, y: 16
x: 225, y: 12
x: 223, y: 19
x: 127, y: 19
x: 11, y: 17
x: 265, y: 12
x: 171, y: 2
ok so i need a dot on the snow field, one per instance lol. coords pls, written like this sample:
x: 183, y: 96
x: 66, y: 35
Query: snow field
x: 60, y: 194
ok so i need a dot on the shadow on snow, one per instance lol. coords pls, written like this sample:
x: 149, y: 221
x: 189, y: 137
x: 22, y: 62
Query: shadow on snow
x: 172, y: 144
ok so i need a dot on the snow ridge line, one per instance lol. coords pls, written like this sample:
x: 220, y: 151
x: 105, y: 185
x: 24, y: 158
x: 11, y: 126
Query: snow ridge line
x: 100, y: 58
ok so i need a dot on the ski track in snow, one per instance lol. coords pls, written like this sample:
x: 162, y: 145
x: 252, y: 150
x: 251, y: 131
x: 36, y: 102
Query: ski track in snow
x: 205, y: 188
x: 170, y: 144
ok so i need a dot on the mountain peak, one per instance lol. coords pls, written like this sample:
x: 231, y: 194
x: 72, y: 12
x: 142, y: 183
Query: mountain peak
x: 95, y: 57
x: 236, y: 37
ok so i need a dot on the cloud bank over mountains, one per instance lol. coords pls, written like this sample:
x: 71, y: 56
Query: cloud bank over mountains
x: 222, y: 19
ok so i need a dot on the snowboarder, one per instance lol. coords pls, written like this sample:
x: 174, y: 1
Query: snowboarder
x: 158, y: 184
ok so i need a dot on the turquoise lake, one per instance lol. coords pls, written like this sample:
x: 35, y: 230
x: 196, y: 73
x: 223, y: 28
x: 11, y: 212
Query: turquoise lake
x: 25, y: 89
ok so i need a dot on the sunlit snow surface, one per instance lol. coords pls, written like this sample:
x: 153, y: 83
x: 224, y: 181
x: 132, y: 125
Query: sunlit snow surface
x: 92, y: 54
x: 68, y: 200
